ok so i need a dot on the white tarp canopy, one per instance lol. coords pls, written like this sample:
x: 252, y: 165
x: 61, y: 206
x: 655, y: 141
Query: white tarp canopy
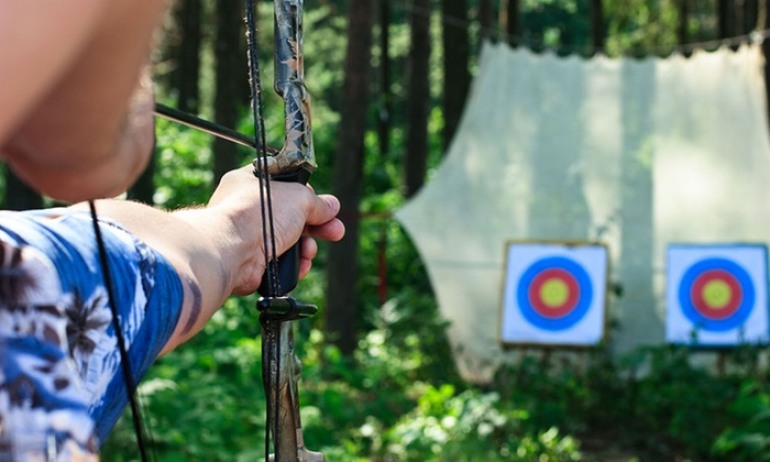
x: 636, y: 154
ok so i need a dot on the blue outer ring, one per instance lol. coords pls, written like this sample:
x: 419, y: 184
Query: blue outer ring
x: 568, y: 320
x: 688, y: 307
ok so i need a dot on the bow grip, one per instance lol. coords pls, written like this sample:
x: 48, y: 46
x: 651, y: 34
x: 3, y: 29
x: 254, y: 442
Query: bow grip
x: 288, y: 262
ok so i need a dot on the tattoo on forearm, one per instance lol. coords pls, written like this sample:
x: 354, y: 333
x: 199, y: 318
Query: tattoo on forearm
x: 195, y: 309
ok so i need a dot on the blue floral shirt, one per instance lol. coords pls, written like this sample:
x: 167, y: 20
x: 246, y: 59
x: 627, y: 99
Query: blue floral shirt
x: 61, y: 384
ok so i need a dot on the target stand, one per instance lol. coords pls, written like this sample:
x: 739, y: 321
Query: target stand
x: 554, y: 294
x: 716, y: 295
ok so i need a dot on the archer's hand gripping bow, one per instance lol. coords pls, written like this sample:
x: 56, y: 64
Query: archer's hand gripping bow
x: 295, y: 162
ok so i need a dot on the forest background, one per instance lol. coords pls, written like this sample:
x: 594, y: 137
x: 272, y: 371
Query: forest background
x: 389, y: 79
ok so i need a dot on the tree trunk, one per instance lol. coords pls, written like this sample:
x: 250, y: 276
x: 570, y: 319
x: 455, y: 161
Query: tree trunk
x: 486, y: 17
x: 514, y: 22
x: 457, y: 77
x: 19, y: 196
x: 386, y: 106
x: 188, y: 51
x: 750, y: 13
x: 343, y: 307
x: 597, y: 26
x: 230, y: 80
x: 418, y: 99
x: 726, y: 18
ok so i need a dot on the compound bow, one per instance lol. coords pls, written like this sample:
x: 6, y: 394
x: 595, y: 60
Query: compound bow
x: 294, y: 162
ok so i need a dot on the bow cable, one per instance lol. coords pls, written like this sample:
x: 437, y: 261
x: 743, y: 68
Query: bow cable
x: 261, y: 163
x: 272, y: 355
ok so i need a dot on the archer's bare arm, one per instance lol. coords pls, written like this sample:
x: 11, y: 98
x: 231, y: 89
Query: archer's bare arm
x: 76, y: 120
x: 217, y: 250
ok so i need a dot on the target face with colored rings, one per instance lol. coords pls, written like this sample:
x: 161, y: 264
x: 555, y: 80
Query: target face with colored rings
x: 716, y: 294
x: 554, y: 293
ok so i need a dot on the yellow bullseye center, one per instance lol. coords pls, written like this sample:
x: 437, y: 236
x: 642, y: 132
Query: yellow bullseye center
x: 554, y: 293
x: 717, y: 294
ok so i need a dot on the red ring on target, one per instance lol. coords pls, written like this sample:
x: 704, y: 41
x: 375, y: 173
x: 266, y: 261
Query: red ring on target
x: 704, y: 307
x: 554, y: 311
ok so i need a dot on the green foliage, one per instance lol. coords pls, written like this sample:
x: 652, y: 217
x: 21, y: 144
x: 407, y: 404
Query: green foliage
x: 184, y: 166
x: 640, y: 27
x: 562, y: 25
x: 472, y: 426
x: 748, y: 436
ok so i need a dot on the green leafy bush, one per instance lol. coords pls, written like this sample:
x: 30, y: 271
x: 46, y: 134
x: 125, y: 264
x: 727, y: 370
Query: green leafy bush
x: 472, y: 426
x: 748, y: 436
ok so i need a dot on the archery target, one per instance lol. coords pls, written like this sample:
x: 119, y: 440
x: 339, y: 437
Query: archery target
x: 554, y: 294
x: 717, y: 294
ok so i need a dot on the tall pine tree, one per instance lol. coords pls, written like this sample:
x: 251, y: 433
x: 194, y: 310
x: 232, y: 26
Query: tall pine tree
x: 343, y: 311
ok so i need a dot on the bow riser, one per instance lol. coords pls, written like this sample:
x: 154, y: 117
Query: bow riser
x: 297, y: 152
